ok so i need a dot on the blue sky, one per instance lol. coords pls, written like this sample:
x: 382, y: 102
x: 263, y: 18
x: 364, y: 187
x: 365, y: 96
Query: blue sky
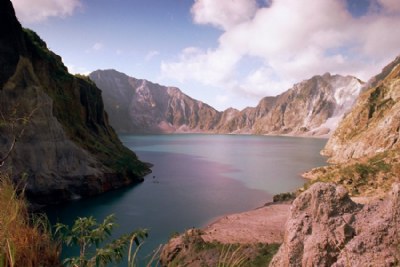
x: 227, y: 53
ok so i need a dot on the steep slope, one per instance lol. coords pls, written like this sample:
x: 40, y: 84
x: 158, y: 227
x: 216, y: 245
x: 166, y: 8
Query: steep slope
x: 312, y: 107
x: 64, y: 145
x: 365, y: 146
x: 242, y: 122
x: 139, y: 106
x: 373, y: 126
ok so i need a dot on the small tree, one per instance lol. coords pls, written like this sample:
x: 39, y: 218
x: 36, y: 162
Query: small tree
x: 86, y: 233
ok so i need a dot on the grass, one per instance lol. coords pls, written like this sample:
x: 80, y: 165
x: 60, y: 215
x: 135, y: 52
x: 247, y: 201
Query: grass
x: 198, y: 252
x: 366, y: 177
x: 25, y: 240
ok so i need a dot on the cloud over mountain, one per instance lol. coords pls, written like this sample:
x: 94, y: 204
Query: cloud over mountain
x: 30, y: 12
x: 291, y: 39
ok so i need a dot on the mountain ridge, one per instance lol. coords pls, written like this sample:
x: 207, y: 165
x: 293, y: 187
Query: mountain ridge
x: 153, y: 108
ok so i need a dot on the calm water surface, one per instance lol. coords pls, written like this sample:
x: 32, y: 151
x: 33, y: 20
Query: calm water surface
x: 197, y: 178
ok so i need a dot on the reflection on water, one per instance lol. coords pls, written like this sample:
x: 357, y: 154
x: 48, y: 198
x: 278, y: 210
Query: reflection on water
x: 196, y: 178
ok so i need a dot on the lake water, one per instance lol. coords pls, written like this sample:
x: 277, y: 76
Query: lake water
x: 197, y: 178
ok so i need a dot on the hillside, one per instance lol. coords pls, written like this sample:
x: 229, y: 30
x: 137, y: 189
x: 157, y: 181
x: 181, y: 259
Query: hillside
x: 311, y: 108
x: 365, y: 146
x: 64, y: 145
x: 139, y: 106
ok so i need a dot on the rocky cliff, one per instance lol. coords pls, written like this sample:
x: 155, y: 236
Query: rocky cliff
x: 139, y: 106
x: 64, y: 146
x: 373, y: 125
x: 365, y: 146
x: 312, y: 107
x: 326, y: 228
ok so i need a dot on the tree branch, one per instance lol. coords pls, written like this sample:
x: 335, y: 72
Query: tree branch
x: 2, y: 160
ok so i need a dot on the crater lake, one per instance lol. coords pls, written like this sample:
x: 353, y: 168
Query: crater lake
x: 196, y: 178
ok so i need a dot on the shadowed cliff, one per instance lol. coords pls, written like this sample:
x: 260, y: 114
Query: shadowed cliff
x: 65, y: 147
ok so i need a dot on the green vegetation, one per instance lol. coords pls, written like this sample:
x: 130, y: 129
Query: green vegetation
x: 25, y: 239
x: 378, y: 102
x: 87, y: 233
x: 197, y: 251
x: 283, y: 197
x: 78, y: 106
x: 370, y: 176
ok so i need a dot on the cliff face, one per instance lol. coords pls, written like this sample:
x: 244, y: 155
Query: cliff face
x: 373, y: 126
x: 326, y: 228
x: 312, y: 107
x: 65, y: 147
x: 139, y: 106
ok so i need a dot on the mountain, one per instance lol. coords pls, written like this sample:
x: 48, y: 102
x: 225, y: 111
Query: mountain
x: 139, y: 106
x: 55, y: 139
x: 373, y: 126
x: 312, y: 107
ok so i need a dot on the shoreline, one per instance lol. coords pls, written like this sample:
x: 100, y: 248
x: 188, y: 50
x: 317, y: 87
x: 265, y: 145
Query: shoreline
x: 265, y: 224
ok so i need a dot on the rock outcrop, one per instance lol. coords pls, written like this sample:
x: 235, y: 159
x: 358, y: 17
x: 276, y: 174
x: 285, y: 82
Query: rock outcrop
x: 312, y: 107
x: 326, y: 228
x: 64, y: 146
x: 373, y: 125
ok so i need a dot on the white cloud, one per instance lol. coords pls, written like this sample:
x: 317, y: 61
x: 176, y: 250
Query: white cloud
x: 98, y: 46
x: 222, y: 99
x: 151, y: 54
x: 294, y: 39
x: 213, y: 67
x: 29, y: 11
x: 263, y: 80
x: 77, y: 70
x: 223, y: 14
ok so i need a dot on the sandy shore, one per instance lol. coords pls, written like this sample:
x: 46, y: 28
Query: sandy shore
x: 262, y: 225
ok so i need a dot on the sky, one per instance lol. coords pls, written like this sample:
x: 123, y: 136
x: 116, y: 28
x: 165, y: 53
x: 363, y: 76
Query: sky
x: 226, y: 53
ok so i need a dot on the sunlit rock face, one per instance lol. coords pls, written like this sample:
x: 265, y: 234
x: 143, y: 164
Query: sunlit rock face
x: 326, y: 228
x: 312, y: 107
x: 373, y: 125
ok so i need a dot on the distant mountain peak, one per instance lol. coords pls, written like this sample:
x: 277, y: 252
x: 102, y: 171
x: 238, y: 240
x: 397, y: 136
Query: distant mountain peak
x: 311, y: 107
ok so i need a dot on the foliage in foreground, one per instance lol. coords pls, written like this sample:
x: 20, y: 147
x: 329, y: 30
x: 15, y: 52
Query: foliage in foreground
x: 88, y: 235
x: 198, y: 252
x: 25, y: 240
